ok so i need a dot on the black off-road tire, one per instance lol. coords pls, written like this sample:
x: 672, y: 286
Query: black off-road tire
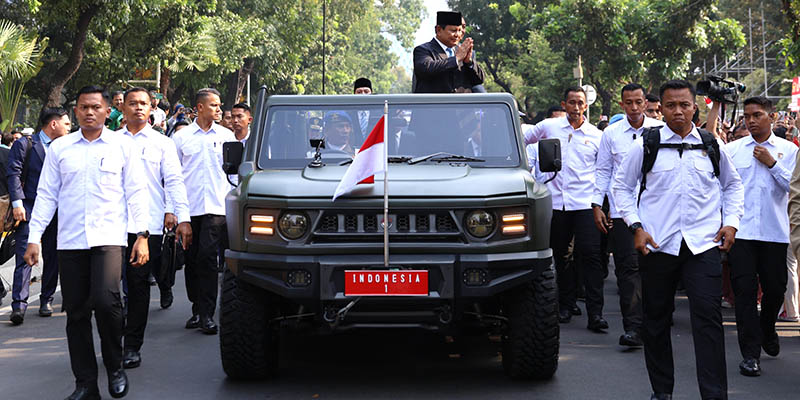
x: 530, y: 343
x: 248, y: 344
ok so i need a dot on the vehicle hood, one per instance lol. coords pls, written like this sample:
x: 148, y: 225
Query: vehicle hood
x: 420, y: 180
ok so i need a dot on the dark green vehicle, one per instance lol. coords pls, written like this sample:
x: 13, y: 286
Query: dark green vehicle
x: 468, y: 228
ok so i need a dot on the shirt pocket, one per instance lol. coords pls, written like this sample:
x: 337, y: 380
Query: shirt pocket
x: 703, y: 172
x: 110, y: 170
x: 660, y: 178
x: 70, y: 165
x: 190, y: 150
x: 152, y: 156
x: 743, y: 161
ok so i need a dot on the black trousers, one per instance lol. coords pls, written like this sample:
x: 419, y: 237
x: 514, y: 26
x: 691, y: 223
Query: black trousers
x: 90, y: 282
x: 22, y: 271
x: 139, y: 291
x: 626, y: 262
x: 201, y: 263
x: 579, y: 225
x: 701, y: 275
x: 751, y: 262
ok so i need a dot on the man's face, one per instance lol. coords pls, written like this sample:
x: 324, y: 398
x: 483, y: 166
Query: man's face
x: 17, y: 136
x: 137, y: 108
x: 119, y: 98
x: 678, y: 107
x: 227, y: 119
x: 60, y: 126
x: 91, y: 111
x: 757, y: 120
x: 363, y: 90
x: 740, y: 133
x: 575, y: 104
x: 653, y: 109
x: 633, y: 103
x: 463, y: 29
x: 450, y: 35
x: 338, y: 133
x: 209, y: 107
x: 154, y: 100
x: 240, y: 120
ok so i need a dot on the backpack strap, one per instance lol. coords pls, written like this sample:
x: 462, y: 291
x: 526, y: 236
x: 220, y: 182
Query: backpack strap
x: 651, y: 141
x: 28, y: 147
x: 711, y: 146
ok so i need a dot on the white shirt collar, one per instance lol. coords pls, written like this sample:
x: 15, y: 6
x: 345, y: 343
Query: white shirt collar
x: 441, y: 44
x: 667, y: 133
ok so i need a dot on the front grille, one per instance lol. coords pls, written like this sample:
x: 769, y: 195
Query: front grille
x: 405, y: 226
x: 370, y: 223
x: 329, y: 223
x: 351, y: 223
x: 403, y: 223
x: 444, y: 223
x: 423, y: 223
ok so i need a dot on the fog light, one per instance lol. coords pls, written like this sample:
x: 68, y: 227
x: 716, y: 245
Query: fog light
x: 475, y: 277
x: 298, y: 278
x: 261, y: 230
x: 513, y: 229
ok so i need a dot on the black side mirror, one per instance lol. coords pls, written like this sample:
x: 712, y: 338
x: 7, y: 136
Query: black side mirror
x: 232, y: 157
x: 550, y: 155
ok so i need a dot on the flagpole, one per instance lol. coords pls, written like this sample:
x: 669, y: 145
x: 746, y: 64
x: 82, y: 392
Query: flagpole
x: 386, y: 184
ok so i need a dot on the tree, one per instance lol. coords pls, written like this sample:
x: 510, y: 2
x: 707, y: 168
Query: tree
x: 20, y: 55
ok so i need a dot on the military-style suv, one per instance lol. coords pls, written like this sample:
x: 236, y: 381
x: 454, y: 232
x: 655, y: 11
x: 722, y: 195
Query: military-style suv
x: 468, y: 228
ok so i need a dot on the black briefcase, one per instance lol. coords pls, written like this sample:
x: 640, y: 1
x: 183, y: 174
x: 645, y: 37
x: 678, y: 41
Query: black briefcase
x: 171, y: 258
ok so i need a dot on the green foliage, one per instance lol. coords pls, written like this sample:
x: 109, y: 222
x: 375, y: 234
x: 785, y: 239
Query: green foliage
x: 20, y: 60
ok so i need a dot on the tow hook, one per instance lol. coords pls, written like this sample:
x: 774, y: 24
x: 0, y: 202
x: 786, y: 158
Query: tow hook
x: 445, y: 315
x: 334, y: 316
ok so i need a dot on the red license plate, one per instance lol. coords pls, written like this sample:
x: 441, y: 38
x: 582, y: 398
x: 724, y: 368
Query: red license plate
x: 385, y: 283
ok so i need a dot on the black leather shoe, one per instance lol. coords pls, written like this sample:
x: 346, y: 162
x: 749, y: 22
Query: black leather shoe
x: 17, y: 317
x: 132, y: 359
x: 575, y: 310
x: 661, y: 396
x: 208, y: 326
x: 46, y: 309
x: 84, y: 393
x: 118, y: 383
x: 193, y: 322
x: 564, y: 316
x: 630, y: 339
x: 750, y: 367
x: 772, y: 346
x: 597, y: 324
x: 166, y: 298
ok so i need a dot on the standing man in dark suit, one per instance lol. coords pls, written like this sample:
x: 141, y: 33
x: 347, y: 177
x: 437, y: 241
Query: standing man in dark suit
x: 366, y: 119
x: 442, y: 65
x: 28, y: 155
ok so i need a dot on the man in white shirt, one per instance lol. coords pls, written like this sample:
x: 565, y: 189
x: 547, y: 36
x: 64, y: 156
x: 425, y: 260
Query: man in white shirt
x: 765, y: 163
x: 616, y: 141
x: 88, y: 177
x: 653, y: 109
x: 687, y: 213
x: 241, y: 117
x: 572, y: 191
x: 168, y: 207
x: 159, y: 116
x: 199, y: 148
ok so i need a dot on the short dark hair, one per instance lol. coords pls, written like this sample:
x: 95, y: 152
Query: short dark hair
x: 182, y: 122
x: 116, y: 92
x: 677, y: 84
x: 242, y: 106
x: 50, y: 113
x: 138, y: 89
x: 573, y: 89
x: 602, y: 125
x: 554, y: 109
x: 652, y: 98
x: 762, y: 101
x: 631, y: 87
x: 7, y: 138
x: 91, y: 89
x: 205, y: 92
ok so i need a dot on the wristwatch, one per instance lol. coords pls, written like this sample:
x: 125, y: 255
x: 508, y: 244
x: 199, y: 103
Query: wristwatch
x: 634, y: 226
x: 143, y: 234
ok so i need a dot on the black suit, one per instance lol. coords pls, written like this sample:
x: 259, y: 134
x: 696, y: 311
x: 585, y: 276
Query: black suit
x: 435, y: 72
x: 360, y: 135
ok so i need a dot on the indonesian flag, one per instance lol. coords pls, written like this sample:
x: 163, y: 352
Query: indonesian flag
x: 371, y: 158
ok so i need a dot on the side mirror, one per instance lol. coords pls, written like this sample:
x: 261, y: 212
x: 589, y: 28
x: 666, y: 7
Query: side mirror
x: 550, y: 155
x: 232, y: 157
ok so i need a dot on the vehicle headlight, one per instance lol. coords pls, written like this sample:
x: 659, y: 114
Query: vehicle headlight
x: 480, y: 223
x: 293, y: 225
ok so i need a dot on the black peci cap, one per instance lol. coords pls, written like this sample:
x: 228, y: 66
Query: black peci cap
x: 362, y: 82
x: 444, y: 18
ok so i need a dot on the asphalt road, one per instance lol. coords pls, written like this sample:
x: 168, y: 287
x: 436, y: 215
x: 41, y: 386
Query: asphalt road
x: 184, y: 364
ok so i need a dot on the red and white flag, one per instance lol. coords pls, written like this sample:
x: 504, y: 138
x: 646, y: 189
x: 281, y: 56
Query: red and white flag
x: 371, y: 159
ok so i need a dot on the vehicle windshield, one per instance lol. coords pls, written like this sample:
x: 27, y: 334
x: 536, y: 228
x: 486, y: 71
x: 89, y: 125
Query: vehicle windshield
x: 482, y: 132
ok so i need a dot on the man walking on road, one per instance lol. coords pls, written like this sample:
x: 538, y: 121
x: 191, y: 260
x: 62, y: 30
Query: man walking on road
x: 690, y: 203
x: 199, y: 148
x: 24, y: 167
x: 89, y: 177
x: 168, y: 208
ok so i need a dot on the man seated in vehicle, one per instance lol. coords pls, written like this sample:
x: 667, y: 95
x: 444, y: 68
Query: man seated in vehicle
x: 336, y: 130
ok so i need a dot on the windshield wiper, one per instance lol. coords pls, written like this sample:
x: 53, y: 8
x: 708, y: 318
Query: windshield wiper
x: 392, y: 159
x: 444, y: 157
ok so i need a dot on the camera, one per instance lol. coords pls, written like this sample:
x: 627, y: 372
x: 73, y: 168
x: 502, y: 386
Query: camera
x: 721, y: 90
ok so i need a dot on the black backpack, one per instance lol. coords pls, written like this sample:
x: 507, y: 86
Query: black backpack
x: 651, y: 138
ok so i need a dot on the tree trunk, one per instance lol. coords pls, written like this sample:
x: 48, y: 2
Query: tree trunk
x: 236, y: 82
x: 493, y: 69
x: 164, y: 84
x: 55, y: 85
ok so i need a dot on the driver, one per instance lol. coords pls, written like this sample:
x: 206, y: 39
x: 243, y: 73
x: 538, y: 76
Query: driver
x: 336, y: 129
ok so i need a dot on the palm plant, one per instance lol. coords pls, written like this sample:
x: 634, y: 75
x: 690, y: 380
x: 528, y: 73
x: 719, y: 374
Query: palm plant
x: 20, y: 60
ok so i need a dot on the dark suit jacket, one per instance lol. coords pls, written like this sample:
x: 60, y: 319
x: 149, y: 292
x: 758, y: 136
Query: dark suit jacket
x: 360, y: 136
x: 3, y: 166
x: 434, y: 72
x: 14, y: 171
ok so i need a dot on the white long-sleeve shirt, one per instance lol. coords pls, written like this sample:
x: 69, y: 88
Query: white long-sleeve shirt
x: 573, y: 187
x: 683, y: 200
x: 93, y: 185
x: 164, y: 178
x: 200, y: 154
x: 766, y: 195
x: 616, y: 141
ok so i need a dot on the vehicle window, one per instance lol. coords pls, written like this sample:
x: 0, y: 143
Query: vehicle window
x: 483, y: 131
